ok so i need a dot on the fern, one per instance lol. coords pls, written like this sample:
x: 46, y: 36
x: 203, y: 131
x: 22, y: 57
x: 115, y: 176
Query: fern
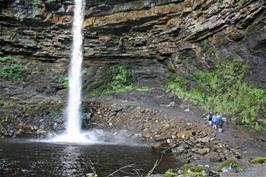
x: 223, y: 90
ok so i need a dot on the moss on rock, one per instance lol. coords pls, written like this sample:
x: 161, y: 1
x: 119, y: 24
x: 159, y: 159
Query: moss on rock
x: 233, y: 163
x: 258, y: 160
x: 194, y: 170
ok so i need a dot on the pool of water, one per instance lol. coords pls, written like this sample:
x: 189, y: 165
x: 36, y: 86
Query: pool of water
x: 26, y: 158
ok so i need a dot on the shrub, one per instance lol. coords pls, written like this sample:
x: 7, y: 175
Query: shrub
x: 3, y: 59
x: 11, y: 69
x: 62, y: 81
x: 223, y: 90
x: 19, y: 17
x: 121, y: 81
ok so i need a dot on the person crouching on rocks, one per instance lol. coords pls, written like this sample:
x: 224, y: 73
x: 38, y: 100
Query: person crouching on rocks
x: 218, y: 122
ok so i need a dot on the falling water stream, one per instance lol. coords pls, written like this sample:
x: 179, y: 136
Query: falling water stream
x: 73, y: 128
x: 74, y: 94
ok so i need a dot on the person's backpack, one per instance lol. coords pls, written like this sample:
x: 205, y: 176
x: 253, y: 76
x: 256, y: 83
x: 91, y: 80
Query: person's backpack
x: 216, y: 119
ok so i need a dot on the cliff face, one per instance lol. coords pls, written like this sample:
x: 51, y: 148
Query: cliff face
x: 183, y: 35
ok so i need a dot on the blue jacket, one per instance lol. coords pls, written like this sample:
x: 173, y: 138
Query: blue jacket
x: 216, y: 119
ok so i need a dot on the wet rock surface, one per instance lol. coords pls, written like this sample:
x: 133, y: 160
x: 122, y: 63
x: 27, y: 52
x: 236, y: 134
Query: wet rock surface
x: 34, y: 118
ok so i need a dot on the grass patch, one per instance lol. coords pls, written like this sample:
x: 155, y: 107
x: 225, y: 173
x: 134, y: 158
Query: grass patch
x: 194, y: 170
x: 62, y: 81
x: 10, y: 69
x: 121, y: 81
x: 3, y: 59
x: 228, y: 163
x: 258, y: 160
x: 223, y: 90
x: 170, y: 173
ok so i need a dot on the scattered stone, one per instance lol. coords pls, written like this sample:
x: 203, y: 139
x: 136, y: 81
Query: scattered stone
x: 147, y: 135
x: 204, y: 140
x: 203, y: 151
x: 160, y: 146
x: 179, y: 149
x: 156, y: 146
x: 168, y: 141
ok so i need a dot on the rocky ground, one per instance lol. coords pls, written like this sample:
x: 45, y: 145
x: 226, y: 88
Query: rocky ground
x: 171, y: 125
x: 154, y: 117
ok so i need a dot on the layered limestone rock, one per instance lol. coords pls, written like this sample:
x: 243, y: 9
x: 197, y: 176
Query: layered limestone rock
x: 183, y: 35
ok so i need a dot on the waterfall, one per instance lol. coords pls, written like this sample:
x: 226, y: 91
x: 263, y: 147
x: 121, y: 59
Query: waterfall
x: 73, y: 132
x: 74, y: 75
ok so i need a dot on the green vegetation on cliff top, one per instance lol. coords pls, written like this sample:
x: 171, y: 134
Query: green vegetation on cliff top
x: 223, y: 90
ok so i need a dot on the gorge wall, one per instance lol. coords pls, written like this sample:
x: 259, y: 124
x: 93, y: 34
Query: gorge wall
x: 183, y: 35
x: 155, y: 37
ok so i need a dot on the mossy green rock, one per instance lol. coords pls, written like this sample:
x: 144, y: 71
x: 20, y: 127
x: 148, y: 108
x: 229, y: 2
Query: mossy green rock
x: 258, y: 160
x: 170, y: 173
x: 194, y: 170
x: 233, y: 163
